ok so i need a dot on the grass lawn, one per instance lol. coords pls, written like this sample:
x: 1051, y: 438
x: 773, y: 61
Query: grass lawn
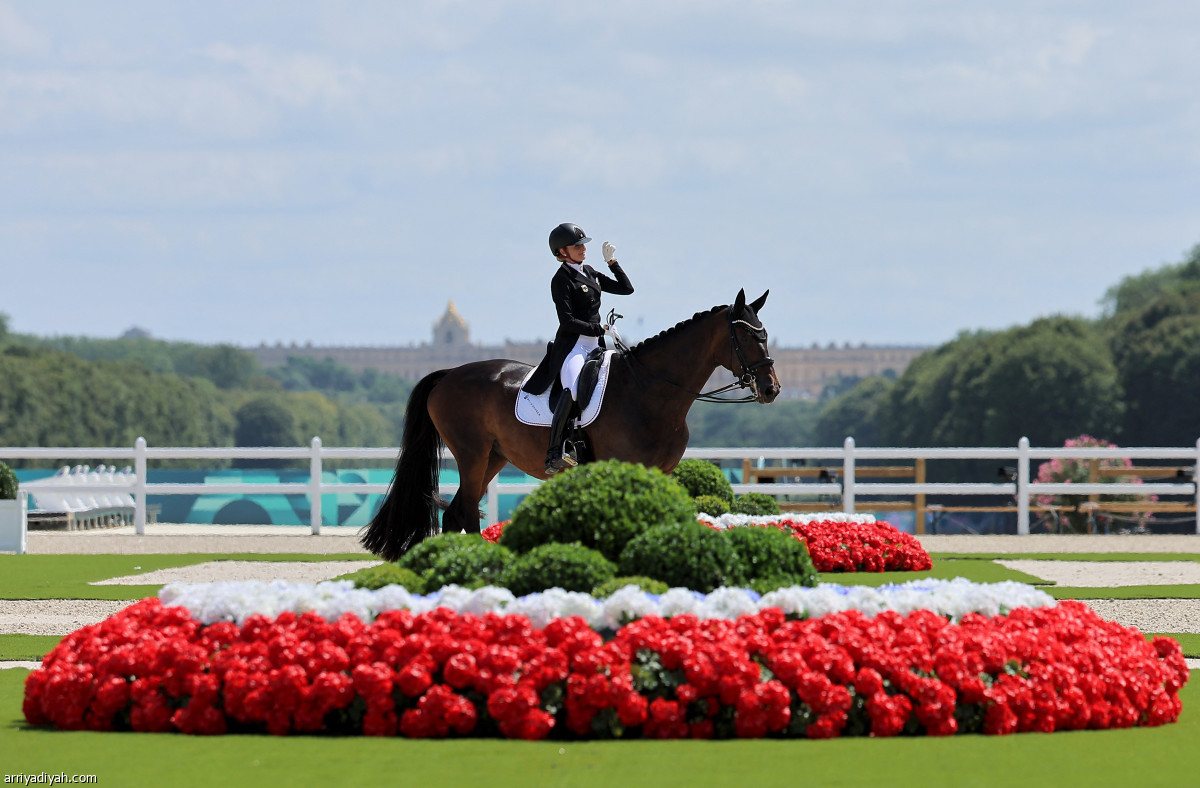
x: 67, y: 576
x: 1164, y: 756
x: 1144, y: 757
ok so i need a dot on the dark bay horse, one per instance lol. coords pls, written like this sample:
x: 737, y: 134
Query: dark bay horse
x: 643, y: 419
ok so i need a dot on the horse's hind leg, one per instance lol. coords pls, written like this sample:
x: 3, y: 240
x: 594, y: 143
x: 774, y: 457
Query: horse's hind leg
x: 473, y: 476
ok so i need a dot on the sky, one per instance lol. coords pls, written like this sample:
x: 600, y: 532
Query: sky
x: 337, y: 172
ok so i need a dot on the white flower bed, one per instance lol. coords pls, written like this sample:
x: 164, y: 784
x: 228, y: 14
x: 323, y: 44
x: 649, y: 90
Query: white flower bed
x: 726, y: 521
x: 236, y: 601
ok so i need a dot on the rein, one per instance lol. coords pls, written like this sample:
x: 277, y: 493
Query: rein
x: 746, y: 381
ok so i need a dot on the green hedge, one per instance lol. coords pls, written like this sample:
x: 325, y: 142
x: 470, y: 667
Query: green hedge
x: 479, y: 564
x: 755, y: 504
x: 711, y: 505
x: 426, y: 553
x: 700, y: 477
x: 571, y: 567
x: 374, y: 577
x: 647, y: 584
x: 687, y: 555
x: 765, y: 553
x: 601, y: 505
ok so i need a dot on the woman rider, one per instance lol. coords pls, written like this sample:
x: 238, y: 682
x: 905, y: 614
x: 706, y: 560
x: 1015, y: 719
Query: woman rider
x: 575, y: 289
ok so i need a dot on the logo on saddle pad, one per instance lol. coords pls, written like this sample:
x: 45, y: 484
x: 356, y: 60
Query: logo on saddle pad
x: 535, y: 409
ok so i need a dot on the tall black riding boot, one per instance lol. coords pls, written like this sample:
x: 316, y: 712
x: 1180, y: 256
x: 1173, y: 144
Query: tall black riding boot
x: 556, y: 458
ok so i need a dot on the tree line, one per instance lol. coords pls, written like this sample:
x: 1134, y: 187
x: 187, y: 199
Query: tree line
x: 75, y: 391
x: 1131, y: 376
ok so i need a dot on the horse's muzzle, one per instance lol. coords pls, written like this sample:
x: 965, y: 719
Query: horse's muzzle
x: 766, y: 393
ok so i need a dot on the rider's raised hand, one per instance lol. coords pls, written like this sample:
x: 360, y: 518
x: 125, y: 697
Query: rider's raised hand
x: 610, y: 252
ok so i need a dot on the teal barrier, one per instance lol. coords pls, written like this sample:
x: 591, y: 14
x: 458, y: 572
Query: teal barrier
x: 350, y: 509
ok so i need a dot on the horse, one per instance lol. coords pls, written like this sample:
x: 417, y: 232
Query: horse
x: 471, y: 410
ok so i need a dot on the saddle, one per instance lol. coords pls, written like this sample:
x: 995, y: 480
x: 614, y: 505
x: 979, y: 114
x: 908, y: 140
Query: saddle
x: 589, y: 375
x: 538, y: 410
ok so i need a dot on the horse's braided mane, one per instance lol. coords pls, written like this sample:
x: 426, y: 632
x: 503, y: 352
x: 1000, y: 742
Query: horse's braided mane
x: 675, y: 328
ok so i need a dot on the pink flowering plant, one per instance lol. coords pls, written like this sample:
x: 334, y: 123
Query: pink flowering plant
x: 1070, y: 470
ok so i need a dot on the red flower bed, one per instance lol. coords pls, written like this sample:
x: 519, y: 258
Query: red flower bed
x: 155, y: 668
x: 859, y: 547
x: 836, y: 546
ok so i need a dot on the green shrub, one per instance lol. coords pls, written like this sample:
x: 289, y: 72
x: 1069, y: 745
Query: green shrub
x: 472, y: 565
x: 711, y: 505
x: 765, y: 553
x: 8, y: 483
x: 755, y: 504
x: 700, y: 477
x: 425, y: 554
x: 374, y: 577
x: 687, y: 555
x: 647, y: 584
x: 571, y: 567
x: 601, y: 505
x: 767, y: 585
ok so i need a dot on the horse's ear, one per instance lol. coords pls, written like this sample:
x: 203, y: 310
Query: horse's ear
x: 740, y: 302
x: 758, y: 302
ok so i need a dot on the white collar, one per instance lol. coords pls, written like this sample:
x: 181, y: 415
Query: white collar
x: 577, y: 266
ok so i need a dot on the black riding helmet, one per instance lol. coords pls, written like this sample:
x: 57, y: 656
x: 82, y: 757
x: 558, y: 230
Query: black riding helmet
x: 566, y: 234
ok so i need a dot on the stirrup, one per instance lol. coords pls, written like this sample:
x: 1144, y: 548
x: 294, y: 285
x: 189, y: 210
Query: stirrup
x: 563, y: 462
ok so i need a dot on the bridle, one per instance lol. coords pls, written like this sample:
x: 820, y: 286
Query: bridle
x: 745, y: 381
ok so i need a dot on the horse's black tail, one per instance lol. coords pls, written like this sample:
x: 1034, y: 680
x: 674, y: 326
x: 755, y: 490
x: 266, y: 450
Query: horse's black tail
x: 410, y: 511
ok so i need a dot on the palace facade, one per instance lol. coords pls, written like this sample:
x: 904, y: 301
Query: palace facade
x: 803, y: 371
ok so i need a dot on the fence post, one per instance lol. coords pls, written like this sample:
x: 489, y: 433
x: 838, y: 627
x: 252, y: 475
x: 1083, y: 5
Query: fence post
x: 848, y: 477
x: 1023, y: 487
x: 139, y: 486
x: 314, y: 486
x: 1196, y: 481
x: 493, y: 500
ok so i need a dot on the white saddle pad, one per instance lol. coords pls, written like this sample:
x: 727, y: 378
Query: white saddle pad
x: 534, y: 409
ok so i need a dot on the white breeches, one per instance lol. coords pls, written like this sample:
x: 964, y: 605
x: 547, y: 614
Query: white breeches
x: 569, y: 375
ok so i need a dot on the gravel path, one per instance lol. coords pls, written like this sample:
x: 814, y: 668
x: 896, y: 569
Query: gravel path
x: 54, y: 616
x: 1108, y: 574
x: 1150, y: 615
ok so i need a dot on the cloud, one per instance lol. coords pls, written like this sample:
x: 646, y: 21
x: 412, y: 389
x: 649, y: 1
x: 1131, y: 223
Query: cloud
x: 294, y: 79
x: 18, y: 37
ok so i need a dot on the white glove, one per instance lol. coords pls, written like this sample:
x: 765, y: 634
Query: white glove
x: 610, y: 252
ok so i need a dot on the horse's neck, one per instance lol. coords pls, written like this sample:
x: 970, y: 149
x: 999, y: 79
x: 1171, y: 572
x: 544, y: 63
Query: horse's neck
x: 676, y: 367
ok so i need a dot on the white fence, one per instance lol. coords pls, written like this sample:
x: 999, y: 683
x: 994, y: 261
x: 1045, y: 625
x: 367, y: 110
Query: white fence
x: 1022, y: 489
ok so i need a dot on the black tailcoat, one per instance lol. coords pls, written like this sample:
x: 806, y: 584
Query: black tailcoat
x: 577, y: 300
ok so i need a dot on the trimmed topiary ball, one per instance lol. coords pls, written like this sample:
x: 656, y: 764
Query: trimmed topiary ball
x: 683, y: 555
x: 425, y: 554
x: 765, y: 553
x: 700, y: 477
x: 571, y: 567
x: 755, y: 504
x: 647, y: 584
x: 374, y: 577
x: 601, y: 505
x: 710, y: 505
x: 479, y: 563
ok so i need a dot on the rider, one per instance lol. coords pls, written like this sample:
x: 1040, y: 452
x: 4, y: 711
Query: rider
x: 575, y: 289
